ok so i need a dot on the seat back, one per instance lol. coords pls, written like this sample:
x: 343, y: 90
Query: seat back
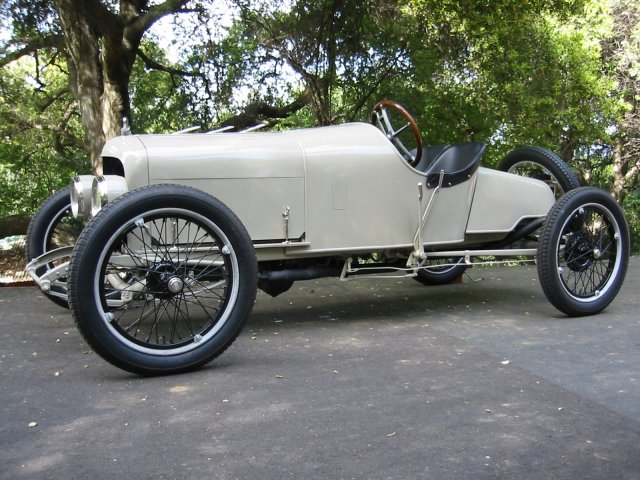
x: 457, y: 162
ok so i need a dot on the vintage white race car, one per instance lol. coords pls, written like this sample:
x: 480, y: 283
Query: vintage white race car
x: 181, y: 230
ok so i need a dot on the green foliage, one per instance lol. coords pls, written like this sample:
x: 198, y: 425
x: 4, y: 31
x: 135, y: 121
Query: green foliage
x: 41, y: 148
x: 337, y: 53
x: 562, y: 74
x: 526, y: 73
x: 631, y: 207
x: 28, y: 17
x: 159, y: 103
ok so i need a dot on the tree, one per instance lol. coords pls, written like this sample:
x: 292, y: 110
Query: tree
x: 337, y: 53
x: 100, y: 43
x: 558, y: 73
x: 42, y: 144
x: 622, y: 54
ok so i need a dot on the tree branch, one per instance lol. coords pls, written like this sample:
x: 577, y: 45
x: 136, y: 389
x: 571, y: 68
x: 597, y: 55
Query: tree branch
x: 141, y: 24
x: 24, y: 123
x: 632, y: 172
x: 391, y: 65
x: 31, y: 46
x: 256, y: 112
x: 55, y: 96
x: 152, y: 64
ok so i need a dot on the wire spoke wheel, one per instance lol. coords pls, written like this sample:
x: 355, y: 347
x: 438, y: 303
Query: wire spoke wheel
x: 166, y: 292
x: 541, y: 164
x: 440, y: 271
x: 583, y: 252
x: 588, y: 252
x: 53, y: 226
x: 162, y: 279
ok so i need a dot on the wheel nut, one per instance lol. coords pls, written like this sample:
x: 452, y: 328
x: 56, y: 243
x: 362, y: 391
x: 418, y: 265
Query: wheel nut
x: 175, y: 284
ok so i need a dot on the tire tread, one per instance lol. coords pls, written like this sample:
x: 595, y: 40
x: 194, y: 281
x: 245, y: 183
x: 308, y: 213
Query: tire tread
x: 83, y: 246
x: 546, y: 258
x: 558, y: 167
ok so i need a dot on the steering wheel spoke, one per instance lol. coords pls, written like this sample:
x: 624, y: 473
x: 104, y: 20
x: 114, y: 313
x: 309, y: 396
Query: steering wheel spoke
x: 400, y: 130
x: 380, y: 118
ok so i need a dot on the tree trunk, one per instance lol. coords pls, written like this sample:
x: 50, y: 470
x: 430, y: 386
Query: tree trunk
x: 86, y: 73
x: 101, y: 54
x: 117, y: 63
x: 100, y: 45
x: 568, y: 146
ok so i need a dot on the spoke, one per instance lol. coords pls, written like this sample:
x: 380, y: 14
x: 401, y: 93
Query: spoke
x: 187, y: 317
x: 144, y: 245
x: 191, y: 251
x: 174, y: 325
x: 400, y: 130
x: 175, y: 239
x: 160, y: 238
x: 199, y: 303
x: 136, y: 258
x: 587, y: 284
x: 196, y: 287
x: 154, y: 317
x: 197, y: 299
x: 143, y: 316
x: 582, y: 256
x: 592, y: 279
x: 174, y: 321
x: 387, y: 122
x: 155, y: 323
x: 208, y: 270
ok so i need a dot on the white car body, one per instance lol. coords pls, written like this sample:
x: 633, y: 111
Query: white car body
x: 332, y: 190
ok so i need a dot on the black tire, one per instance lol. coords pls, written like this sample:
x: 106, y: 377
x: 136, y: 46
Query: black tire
x: 583, y: 252
x: 541, y: 164
x: 53, y: 226
x: 437, y: 274
x: 152, y: 304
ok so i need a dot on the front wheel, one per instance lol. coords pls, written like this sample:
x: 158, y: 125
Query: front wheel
x: 53, y: 226
x: 162, y: 280
x: 583, y: 252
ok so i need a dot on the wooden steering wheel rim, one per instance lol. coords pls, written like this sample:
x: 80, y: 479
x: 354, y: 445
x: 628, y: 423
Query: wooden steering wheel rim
x: 375, y: 120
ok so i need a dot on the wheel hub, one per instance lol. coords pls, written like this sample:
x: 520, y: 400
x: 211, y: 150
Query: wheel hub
x: 175, y: 285
x: 579, y: 252
x: 165, y: 280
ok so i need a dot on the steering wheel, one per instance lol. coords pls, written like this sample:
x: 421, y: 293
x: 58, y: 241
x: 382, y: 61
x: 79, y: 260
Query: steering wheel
x: 380, y: 118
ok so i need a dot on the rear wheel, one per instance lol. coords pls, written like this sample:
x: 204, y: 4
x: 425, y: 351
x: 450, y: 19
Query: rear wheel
x: 162, y: 280
x: 441, y: 271
x: 541, y: 164
x: 583, y: 252
x: 53, y: 226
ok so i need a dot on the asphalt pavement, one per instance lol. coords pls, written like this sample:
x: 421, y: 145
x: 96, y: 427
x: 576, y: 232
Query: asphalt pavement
x: 366, y: 379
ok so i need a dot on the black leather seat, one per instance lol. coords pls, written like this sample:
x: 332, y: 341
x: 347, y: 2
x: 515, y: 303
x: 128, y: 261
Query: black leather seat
x: 458, y: 162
